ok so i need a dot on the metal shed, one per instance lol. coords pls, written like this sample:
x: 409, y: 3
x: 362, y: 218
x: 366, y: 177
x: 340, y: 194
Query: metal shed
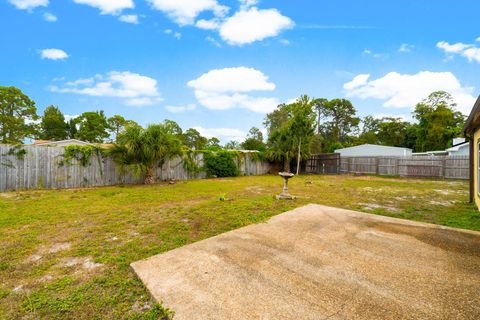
x: 374, y: 150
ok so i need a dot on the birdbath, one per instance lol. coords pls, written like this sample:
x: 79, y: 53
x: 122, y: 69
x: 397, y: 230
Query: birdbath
x: 285, y: 194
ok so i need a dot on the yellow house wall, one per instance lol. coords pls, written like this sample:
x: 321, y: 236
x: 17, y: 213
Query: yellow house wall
x: 476, y: 139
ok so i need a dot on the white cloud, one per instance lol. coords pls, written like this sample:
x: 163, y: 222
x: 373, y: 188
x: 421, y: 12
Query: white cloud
x: 250, y: 25
x: 406, y: 90
x: 212, y: 24
x: 180, y: 109
x: 108, y: 6
x: 184, y: 12
x: 129, y: 18
x: 405, y: 47
x: 228, y: 88
x: 29, y: 4
x: 247, y: 25
x: 358, y: 81
x: 469, y: 51
x: 136, y: 89
x: 49, y: 17
x: 142, y: 101
x: 245, y: 4
x: 403, y: 117
x: 213, y: 41
x: 224, y: 134
x: 70, y: 117
x: 177, y: 35
x: 240, y: 79
x: 453, y: 48
x: 53, y: 54
x: 368, y: 52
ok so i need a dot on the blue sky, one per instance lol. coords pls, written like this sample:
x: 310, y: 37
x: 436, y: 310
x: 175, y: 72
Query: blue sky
x: 220, y: 65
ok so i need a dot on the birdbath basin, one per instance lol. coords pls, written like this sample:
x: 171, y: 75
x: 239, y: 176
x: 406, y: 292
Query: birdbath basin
x: 285, y: 194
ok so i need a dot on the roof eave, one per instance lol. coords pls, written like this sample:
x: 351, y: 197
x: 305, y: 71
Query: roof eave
x: 473, y: 120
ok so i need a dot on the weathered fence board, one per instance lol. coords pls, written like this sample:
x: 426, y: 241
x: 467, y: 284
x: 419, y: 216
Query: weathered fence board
x: 41, y: 168
x: 450, y: 167
x: 326, y: 163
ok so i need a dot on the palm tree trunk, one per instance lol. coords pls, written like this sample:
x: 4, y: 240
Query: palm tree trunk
x: 298, y: 156
x: 149, y: 175
x: 286, y: 165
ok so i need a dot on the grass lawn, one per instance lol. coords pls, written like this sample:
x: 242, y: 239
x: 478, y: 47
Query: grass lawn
x: 66, y: 254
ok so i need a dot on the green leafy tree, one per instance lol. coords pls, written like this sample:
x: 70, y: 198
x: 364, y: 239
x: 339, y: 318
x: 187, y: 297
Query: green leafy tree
x: 281, y: 146
x: 174, y: 128
x: 291, y: 131
x: 303, y: 126
x: 392, y: 132
x: 72, y: 128
x: 142, y: 149
x: 213, y: 144
x: 410, y: 140
x: 194, y: 140
x: 93, y: 127
x: 277, y: 118
x: 254, y: 140
x: 53, y: 125
x: 316, y: 146
x: 233, y: 145
x: 340, y: 123
x: 438, y: 122
x: 17, y: 116
x: 116, y: 124
x: 370, y: 129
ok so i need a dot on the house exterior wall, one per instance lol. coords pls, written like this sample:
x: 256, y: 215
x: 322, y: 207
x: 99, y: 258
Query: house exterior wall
x: 476, y: 140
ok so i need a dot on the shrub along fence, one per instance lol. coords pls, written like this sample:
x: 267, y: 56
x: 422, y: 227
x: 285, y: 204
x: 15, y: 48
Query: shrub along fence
x: 36, y: 167
x: 450, y: 167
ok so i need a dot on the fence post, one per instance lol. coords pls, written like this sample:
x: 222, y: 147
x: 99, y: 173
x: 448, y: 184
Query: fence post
x: 444, y: 167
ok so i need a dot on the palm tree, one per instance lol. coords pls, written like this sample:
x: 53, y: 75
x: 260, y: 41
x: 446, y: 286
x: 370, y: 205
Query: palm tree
x: 281, y: 148
x: 292, y: 136
x: 141, y: 149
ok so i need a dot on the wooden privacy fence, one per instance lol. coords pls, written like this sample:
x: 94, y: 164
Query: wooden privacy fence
x: 450, y: 167
x: 41, y: 167
x: 325, y: 163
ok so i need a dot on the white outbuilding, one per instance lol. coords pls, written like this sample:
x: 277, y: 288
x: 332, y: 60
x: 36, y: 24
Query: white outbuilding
x: 374, y: 150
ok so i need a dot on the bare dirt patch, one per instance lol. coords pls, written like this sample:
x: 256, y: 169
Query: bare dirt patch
x: 443, y: 203
x: 57, y: 247
x: 255, y: 189
x: 86, y: 263
x: 373, y: 206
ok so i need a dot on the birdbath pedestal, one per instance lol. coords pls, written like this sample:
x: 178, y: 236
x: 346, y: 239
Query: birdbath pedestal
x: 285, y: 195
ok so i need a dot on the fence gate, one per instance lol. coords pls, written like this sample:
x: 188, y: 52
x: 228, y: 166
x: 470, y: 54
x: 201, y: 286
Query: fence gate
x: 325, y: 163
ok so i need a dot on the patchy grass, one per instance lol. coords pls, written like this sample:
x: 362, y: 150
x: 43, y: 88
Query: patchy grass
x: 66, y: 254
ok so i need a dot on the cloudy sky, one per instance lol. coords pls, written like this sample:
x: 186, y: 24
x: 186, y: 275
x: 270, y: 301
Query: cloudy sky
x: 220, y: 65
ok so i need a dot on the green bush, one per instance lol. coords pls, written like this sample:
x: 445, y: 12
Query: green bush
x: 220, y: 164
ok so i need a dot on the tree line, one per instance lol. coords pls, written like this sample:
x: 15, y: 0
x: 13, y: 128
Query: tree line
x: 312, y: 126
x: 19, y: 120
x: 295, y: 130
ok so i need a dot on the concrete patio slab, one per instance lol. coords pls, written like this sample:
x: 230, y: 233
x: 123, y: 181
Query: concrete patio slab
x: 318, y: 262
